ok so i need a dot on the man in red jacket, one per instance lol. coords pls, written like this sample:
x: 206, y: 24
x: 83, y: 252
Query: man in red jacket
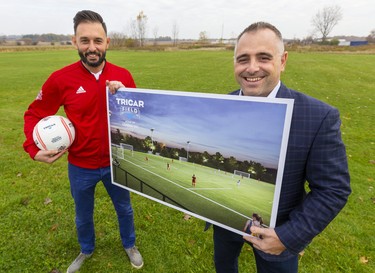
x: 81, y: 89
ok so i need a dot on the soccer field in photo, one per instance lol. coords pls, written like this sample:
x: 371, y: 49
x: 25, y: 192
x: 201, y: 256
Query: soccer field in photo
x: 216, y: 196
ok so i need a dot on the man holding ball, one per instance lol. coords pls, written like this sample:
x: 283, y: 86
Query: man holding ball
x: 81, y: 89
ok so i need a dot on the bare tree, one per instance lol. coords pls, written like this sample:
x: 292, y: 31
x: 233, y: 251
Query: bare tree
x: 118, y: 39
x: 326, y: 19
x: 155, y: 33
x: 3, y: 39
x: 174, y: 33
x: 140, y: 28
x: 133, y: 29
x: 371, y: 37
x: 203, y: 37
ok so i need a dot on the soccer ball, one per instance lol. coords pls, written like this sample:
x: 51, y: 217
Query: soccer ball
x: 54, y: 133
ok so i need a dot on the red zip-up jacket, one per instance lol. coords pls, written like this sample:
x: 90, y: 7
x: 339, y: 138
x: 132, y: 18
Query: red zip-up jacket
x: 84, y: 101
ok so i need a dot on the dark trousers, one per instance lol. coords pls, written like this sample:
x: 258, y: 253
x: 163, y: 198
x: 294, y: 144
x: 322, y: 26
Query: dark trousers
x: 82, y: 185
x: 227, y: 249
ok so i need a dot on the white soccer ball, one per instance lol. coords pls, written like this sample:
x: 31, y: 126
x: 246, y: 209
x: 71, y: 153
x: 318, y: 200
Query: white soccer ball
x: 54, y: 133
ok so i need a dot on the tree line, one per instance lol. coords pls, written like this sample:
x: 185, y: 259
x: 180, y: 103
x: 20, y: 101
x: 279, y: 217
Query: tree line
x: 322, y: 22
x: 216, y: 160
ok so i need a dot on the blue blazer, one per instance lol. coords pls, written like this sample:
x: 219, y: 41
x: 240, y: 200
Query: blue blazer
x: 315, y: 154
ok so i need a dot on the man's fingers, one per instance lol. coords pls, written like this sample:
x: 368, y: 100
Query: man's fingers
x: 113, y: 86
x: 257, y: 230
x: 49, y: 156
x: 250, y: 238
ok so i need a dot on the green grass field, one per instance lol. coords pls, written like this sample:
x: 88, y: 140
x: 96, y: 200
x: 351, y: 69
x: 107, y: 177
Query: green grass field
x: 37, y: 212
x: 216, y: 195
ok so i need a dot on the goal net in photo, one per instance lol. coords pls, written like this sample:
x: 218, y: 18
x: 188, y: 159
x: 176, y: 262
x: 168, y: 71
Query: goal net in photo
x: 241, y: 174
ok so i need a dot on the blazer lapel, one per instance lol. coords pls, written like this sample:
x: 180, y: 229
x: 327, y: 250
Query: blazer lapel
x: 284, y: 92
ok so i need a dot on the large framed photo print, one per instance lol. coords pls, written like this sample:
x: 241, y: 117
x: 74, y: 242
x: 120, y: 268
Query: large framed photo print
x: 219, y: 158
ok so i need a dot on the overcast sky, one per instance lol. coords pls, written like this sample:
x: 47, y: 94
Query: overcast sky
x: 219, y: 18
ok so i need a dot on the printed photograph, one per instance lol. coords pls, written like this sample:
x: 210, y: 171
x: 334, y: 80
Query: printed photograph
x: 216, y: 157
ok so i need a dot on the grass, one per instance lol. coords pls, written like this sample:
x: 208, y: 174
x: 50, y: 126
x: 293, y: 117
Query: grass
x: 37, y: 212
x: 251, y: 196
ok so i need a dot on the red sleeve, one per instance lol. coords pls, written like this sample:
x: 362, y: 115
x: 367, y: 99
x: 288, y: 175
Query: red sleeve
x: 45, y: 104
x: 118, y: 73
x: 127, y: 79
x: 130, y: 81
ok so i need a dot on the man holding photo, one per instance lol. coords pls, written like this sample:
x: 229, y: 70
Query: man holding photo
x: 315, y: 154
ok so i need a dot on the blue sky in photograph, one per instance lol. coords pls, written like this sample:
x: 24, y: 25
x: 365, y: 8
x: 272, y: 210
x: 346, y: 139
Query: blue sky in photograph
x: 240, y: 127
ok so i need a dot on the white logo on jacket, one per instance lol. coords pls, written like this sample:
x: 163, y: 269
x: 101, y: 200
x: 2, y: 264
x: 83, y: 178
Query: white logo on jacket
x: 40, y: 95
x: 80, y: 90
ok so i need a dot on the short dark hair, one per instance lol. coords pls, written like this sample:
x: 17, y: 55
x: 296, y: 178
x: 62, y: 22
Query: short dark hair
x: 259, y: 26
x: 85, y: 16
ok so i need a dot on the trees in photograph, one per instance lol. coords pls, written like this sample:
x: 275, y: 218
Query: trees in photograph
x: 213, y: 160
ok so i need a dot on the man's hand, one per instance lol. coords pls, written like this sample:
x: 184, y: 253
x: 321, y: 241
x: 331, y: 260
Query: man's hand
x: 48, y: 156
x: 113, y: 86
x: 267, y: 240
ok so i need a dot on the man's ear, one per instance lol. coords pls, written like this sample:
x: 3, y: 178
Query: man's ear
x: 74, y: 41
x: 284, y: 58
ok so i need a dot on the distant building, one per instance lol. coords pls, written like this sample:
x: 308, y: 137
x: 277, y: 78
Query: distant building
x: 358, y: 43
x: 343, y: 42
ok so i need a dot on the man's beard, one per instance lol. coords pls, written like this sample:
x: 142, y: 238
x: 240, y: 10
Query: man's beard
x: 92, y: 64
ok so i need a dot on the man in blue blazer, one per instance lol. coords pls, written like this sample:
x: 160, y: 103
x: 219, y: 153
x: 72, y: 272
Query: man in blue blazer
x: 315, y: 154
